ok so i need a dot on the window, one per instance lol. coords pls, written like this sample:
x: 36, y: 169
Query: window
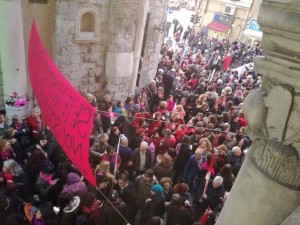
x: 39, y: 1
x: 87, y: 25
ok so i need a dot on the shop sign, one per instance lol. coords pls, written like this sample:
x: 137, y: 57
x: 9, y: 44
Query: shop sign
x: 253, y: 25
x: 225, y: 19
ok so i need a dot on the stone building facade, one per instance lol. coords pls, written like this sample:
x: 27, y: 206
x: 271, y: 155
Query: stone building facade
x: 238, y: 13
x: 101, y: 46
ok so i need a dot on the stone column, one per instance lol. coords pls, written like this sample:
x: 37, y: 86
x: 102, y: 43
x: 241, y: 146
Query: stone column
x: 119, y: 58
x: 267, y: 189
x: 13, y: 59
x: 138, y: 44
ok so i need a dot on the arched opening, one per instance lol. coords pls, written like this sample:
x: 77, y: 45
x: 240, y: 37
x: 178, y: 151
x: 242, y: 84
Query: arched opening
x: 87, y: 26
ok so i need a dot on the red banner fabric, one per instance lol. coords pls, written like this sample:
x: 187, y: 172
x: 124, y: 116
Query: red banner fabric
x: 66, y: 112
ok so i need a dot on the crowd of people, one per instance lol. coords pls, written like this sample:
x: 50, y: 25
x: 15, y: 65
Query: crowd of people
x: 168, y: 155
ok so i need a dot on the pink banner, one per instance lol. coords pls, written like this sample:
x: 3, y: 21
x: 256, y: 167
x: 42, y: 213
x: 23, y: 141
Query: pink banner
x: 66, y: 112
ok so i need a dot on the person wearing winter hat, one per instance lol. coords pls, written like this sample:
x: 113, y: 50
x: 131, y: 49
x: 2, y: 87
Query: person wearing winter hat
x: 156, y: 189
x: 155, y: 206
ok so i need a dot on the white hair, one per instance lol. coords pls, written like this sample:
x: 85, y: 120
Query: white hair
x: 218, y: 179
x: 13, y: 166
x: 236, y: 149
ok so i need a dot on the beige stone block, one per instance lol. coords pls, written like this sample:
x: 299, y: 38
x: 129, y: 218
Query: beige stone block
x: 91, y: 80
x: 119, y: 64
x: 76, y: 59
x: 77, y: 75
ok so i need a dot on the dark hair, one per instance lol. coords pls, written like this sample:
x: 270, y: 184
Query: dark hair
x: 155, y: 221
x: 149, y: 173
x: 48, y: 167
x: 63, y: 200
x: 124, y: 177
x: 48, y: 214
x: 186, y: 139
x: 101, y: 179
x: 88, y: 199
x: 109, y: 149
x: 113, y: 196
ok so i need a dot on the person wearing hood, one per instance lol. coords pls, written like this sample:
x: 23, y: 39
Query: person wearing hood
x: 155, y: 206
x: 110, y: 216
x: 74, y: 186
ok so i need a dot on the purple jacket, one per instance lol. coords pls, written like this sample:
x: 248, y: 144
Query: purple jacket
x: 74, y: 186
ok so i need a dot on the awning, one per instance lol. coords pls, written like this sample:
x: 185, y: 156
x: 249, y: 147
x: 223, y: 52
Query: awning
x: 220, y: 27
x: 253, y: 33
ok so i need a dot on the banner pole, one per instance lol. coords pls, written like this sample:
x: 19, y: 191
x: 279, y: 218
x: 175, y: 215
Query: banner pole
x: 116, y: 162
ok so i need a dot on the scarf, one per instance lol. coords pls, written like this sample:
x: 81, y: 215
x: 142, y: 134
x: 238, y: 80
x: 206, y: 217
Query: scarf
x: 18, y: 126
x: 47, y: 178
x: 8, y: 176
x: 110, y: 115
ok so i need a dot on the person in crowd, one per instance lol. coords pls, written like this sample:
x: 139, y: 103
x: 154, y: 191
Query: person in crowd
x: 97, y: 149
x: 141, y: 159
x: 105, y: 102
x: 21, y: 131
x: 113, y: 138
x: 234, y: 157
x: 220, y: 156
x: 212, y: 216
x: 7, y: 152
x: 143, y: 184
x: 67, y: 208
x: 46, y: 185
x: 104, y: 169
x: 8, y: 214
x: 155, y: 206
x: 183, y: 190
x: 163, y: 167
x: 74, y: 186
x: 110, y: 216
x: 45, y: 215
x: 91, y: 208
x: 166, y: 183
x: 193, y: 168
x: 127, y: 194
x: 108, y: 118
x: 212, y: 196
x: 113, y: 159
x: 228, y: 177
x: 35, y: 124
x: 156, y: 220
x: 15, y: 177
x: 3, y: 124
x: 178, y: 213
x: 182, y: 158
x: 125, y: 155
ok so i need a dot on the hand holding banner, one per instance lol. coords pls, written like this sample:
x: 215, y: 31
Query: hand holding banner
x: 66, y: 112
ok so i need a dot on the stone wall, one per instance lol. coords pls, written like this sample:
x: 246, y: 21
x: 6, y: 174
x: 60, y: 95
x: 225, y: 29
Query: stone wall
x: 81, y: 61
x: 158, y: 10
x: 105, y: 63
x: 1, y: 89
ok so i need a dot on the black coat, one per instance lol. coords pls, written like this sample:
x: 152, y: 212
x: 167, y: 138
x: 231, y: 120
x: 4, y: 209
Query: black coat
x: 154, y: 207
x: 111, y: 217
x: 182, y: 157
x: 128, y: 196
x: 179, y: 215
x: 214, y: 195
x: 136, y: 159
